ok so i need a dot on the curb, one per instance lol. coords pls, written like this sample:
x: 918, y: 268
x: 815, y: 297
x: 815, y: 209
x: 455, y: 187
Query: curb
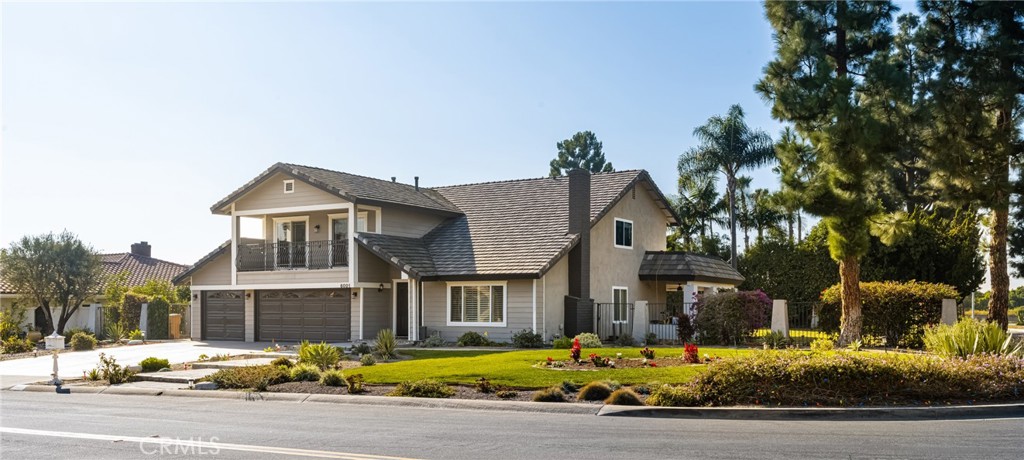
x: 726, y: 413
x: 819, y: 413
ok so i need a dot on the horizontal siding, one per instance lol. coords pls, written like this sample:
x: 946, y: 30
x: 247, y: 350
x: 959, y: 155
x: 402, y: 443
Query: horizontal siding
x: 376, y: 312
x: 215, y: 273
x: 411, y: 224
x: 270, y: 194
x: 372, y: 269
x: 334, y: 275
x: 519, y: 312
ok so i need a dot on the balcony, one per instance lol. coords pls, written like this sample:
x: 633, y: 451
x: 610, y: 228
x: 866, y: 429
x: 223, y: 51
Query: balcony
x: 282, y: 255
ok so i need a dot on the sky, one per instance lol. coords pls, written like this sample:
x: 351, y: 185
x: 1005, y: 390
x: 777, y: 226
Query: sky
x: 125, y: 122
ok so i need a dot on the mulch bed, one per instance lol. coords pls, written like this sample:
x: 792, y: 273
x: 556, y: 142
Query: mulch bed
x: 461, y: 391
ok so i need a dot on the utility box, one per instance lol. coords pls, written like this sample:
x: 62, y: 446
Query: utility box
x: 174, y: 326
x: 55, y: 341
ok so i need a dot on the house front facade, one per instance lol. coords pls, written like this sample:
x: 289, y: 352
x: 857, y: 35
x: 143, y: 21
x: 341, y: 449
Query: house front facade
x: 342, y: 257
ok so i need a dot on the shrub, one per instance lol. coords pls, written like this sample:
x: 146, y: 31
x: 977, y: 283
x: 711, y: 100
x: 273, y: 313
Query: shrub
x: 152, y: 364
x: 684, y: 328
x: 569, y: 386
x: 690, y: 353
x: 795, y: 378
x: 386, y: 344
x: 332, y: 378
x: 623, y: 397
x: 730, y: 317
x: 14, y: 345
x: 321, y: 355
x: 823, y: 345
x: 93, y: 375
x: 71, y: 332
x: 589, y: 340
x: 116, y: 332
x: 83, y: 341
x: 354, y: 383
x: 367, y: 360
x: 594, y: 391
x: 112, y: 372
x: 599, y: 361
x: 894, y: 310
x: 625, y: 340
x: 527, y: 339
x: 472, y: 339
x: 650, y: 338
x: 423, y: 389
x: 434, y: 340
x: 576, y: 350
x: 282, y: 362
x: 131, y: 311
x: 553, y: 394
x: 855, y: 345
x: 642, y: 389
x: 506, y: 393
x: 249, y: 377
x: 774, y: 339
x: 304, y: 373
x: 562, y: 343
x: 11, y: 319
x: 612, y: 384
x: 647, y: 353
x: 484, y: 386
x: 361, y: 349
x: 135, y: 335
x: 157, y: 318
x: 969, y: 337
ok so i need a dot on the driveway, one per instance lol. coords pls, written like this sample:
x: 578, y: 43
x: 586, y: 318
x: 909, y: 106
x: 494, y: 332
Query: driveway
x: 73, y: 363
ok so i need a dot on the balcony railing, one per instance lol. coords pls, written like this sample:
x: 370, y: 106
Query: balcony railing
x: 282, y: 255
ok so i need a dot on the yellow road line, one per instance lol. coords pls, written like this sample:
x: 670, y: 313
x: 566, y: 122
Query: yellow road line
x: 198, y: 444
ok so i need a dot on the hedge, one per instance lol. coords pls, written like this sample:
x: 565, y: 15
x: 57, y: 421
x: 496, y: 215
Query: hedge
x: 156, y: 318
x: 893, y: 310
x: 730, y: 317
x: 131, y: 310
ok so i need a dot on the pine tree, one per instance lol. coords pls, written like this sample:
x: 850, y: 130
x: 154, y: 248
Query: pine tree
x: 582, y: 151
x: 829, y: 78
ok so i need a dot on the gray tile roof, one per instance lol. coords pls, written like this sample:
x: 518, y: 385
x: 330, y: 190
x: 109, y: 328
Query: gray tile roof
x: 352, y: 187
x: 510, y: 228
x: 687, y: 266
x: 140, y: 269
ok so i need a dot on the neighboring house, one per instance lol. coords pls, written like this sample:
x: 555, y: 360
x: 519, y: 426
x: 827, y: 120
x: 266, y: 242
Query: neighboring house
x: 139, y: 264
x: 344, y: 256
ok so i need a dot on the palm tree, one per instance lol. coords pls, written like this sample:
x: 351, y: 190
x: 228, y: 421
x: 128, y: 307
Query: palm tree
x: 698, y: 198
x: 728, y: 145
x: 744, y: 218
x: 765, y: 214
x: 797, y: 163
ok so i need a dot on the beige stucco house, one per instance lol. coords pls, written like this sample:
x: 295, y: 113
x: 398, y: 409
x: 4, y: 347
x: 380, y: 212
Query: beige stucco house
x: 344, y: 256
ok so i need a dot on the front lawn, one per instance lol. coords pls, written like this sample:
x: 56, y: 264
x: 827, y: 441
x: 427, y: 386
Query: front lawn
x: 515, y: 368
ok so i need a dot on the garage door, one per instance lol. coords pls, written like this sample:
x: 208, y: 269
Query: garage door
x: 314, y: 315
x: 223, y: 315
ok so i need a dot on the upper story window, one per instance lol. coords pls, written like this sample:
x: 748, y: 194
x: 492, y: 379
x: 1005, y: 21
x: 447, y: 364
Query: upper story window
x: 476, y: 304
x: 289, y: 186
x: 623, y: 233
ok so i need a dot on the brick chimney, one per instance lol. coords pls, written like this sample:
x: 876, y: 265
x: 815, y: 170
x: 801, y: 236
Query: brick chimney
x: 579, y: 308
x: 142, y: 249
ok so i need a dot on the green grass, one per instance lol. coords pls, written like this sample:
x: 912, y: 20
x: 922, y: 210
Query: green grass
x: 515, y: 368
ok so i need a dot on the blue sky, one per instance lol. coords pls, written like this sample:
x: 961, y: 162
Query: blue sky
x: 125, y: 122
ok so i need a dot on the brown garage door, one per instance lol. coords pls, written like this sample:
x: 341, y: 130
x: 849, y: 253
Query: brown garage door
x: 223, y: 315
x: 313, y: 314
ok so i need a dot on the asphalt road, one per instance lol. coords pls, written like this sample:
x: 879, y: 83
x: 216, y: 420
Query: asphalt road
x: 90, y: 426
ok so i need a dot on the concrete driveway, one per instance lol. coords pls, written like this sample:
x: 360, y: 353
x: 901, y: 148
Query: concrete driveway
x: 73, y: 363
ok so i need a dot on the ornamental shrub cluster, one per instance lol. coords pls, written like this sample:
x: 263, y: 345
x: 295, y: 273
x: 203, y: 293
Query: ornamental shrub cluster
x: 83, y: 341
x: 843, y: 378
x: 250, y: 377
x: 970, y: 337
x: 730, y: 317
x: 423, y: 389
x: 527, y: 339
x: 897, y: 311
x: 153, y: 364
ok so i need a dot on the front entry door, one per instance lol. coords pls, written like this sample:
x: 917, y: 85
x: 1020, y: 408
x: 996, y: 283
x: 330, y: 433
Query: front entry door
x: 402, y: 309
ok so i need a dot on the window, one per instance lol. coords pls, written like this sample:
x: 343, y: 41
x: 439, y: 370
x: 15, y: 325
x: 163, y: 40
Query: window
x: 476, y: 305
x: 289, y: 186
x: 620, y: 297
x: 623, y: 234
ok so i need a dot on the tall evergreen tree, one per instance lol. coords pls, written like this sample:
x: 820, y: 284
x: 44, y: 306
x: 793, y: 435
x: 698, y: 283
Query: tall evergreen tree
x: 976, y: 91
x: 582, y: 151
x: 829, y: 78
x: 729, y: 146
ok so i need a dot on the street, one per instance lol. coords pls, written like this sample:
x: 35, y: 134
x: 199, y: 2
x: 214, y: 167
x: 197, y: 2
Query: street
x: 45, y: 425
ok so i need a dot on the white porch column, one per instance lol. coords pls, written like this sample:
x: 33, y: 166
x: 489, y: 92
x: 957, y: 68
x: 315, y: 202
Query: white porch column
x: 90, y: 321
x: 234, y: 246
x: 689, y: 296
x: 780, y: 317
x: 144, y: 318
x: 195, y: 316
x: 640, y: 320
x: 250, y: 316
x: 414, y: 307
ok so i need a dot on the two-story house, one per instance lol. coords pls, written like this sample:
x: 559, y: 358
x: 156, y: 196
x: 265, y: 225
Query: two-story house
x: 343, y: 256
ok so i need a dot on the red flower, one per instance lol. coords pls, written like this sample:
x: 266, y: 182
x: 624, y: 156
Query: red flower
x: 549, y: 359
x: 653, y: 365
